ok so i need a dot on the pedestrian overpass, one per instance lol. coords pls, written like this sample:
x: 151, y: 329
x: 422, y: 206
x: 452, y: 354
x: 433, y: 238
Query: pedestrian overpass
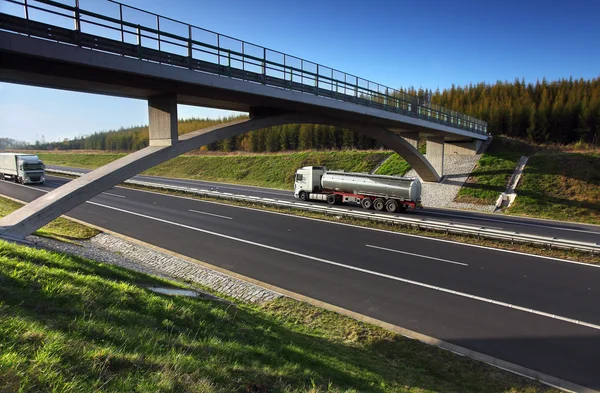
x: 105, y: 47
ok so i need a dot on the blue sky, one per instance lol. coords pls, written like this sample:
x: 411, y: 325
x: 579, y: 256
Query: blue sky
x: 398, y: 43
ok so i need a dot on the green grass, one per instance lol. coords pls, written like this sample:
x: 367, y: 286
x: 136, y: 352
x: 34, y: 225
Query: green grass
x: 79, y: 160
x: 68, y: 324
x: 60, y: 229
x: 495, y: 167
x: 395, y: 165
x: 560, y: 186
x: 265, y: 170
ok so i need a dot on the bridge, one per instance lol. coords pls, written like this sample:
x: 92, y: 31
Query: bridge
x: 106, y: 47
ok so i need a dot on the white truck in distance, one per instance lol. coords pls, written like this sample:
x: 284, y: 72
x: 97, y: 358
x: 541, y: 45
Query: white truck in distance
x: 391, y: 193
x: 22, y: 168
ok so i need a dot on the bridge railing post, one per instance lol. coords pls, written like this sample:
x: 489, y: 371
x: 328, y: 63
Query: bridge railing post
x: 264, y: 66
x: 121, y: 19
x: 138, y: 31
x: 77, y: 22
x: 26, y: 10
x: 189, y: 48
x: 219, y: 54
x: 158, y: 34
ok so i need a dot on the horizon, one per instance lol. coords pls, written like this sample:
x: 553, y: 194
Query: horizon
x: 529, y: 49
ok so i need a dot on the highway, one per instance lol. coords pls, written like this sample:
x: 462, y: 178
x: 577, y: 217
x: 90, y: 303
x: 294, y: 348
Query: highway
x: 548, y: 228
x: 442, y: 289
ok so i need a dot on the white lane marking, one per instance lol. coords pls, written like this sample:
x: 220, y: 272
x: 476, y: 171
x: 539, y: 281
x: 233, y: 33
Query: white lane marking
x: 512, y: 223
x: 417, y: 255
x: 115, y: 195
x: 358, y: 227
x: 371, y: 272
x: 210, y: 214
x: 291, y: 215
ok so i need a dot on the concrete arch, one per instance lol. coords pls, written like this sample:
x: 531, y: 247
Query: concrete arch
x: 396, y: 143
x: 43, y: 210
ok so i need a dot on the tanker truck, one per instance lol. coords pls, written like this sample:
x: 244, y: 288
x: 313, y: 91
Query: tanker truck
x: 22, y: 168
x: 379, y: 192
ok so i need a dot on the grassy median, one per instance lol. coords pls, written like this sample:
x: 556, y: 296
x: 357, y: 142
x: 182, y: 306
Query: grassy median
x: 73, y: 325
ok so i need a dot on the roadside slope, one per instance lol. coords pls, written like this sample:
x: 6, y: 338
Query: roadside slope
x: 264, y: 170
x: 116, y: 335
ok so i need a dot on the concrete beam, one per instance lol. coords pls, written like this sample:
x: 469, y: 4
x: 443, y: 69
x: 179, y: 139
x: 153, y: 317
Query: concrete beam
x: 162, y: 113
x: 52, y: 205
x: 435, y: 153
x: 398, y: 144
x: 43, y: 210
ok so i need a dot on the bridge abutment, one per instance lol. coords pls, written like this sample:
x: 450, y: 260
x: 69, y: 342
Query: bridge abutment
x: 162, y: 114
x: 464, y: 148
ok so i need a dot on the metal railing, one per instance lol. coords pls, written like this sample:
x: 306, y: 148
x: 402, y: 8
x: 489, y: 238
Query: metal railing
x: 114, y: 27
x: 419, y: 223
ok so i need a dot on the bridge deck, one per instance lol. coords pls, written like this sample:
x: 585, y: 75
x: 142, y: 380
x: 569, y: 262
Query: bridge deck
x: 228, y: 76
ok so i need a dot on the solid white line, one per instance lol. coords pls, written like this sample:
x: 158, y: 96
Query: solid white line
x: 210, y: 214
x: 292, y: 215
x: 115, y: 195
x: 374, y: 273
x: 512, y: 223
x: 417, y: 255
x: 404, y: 280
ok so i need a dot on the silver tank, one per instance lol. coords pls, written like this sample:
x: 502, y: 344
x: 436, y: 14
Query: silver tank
x: 403, y: 188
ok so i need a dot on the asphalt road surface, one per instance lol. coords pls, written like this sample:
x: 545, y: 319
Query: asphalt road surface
x: 548, y: 228
x: 537, y: 312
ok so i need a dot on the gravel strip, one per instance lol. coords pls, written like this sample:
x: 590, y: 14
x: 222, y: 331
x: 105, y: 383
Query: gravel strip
x: 113, y: 250
x: 457, y: 169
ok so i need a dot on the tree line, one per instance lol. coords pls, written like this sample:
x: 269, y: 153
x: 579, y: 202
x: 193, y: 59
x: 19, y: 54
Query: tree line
x: 563, y: 111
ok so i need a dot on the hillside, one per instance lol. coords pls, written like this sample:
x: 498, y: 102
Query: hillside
x: 265, y: 170
x: 560, y: 182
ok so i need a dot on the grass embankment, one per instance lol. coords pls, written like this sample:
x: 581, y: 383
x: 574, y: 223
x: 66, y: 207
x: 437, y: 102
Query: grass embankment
x: 394, y: 165
x: 265, y: 170
x: 70, y: 324
x: 558, y: 182
x: 495, y: 167
x: 560, y: 186
x: 60, y: 229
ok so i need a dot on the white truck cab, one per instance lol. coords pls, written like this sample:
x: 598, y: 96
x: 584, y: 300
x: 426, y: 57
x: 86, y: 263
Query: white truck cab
x: 308, y: 179
x: 22, y: 168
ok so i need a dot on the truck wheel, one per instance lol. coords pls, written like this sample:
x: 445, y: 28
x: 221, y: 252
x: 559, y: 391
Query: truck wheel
x: 391, y: 206
x: 379, y: 204
x: 303, y: 196
x: 367, y: 203
x: 331, y: 199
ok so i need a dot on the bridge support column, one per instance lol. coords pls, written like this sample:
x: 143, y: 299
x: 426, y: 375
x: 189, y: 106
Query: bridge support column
x: 412, y: 138
x: 435, y: 153
x: 162, y: 113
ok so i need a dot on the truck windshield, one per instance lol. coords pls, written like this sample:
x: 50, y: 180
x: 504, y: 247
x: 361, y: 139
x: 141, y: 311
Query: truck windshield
x: 33, y: 167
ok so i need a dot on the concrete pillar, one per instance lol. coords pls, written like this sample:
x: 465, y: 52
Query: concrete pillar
x: 435, y: 153
x: 412, y: 138
x: 162, y: 112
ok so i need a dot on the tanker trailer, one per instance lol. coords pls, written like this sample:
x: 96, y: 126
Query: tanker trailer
x: 379, y: 192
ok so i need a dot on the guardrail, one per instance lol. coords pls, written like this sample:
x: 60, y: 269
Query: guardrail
x: 132, y: 32
x: 419, y: 223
